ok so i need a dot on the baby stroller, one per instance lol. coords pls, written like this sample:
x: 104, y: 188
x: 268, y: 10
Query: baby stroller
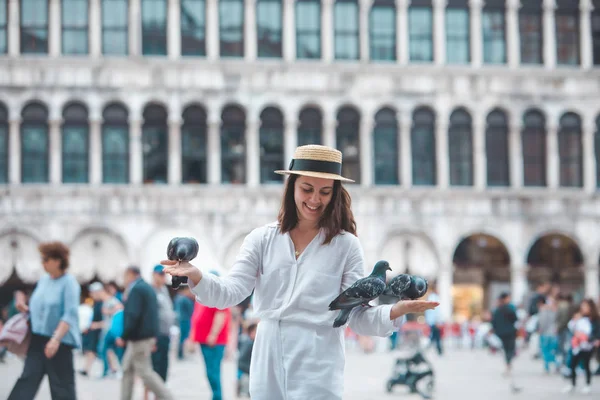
x: 413, y: 369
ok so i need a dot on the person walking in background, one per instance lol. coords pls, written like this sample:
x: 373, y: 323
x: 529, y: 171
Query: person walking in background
x: 54, y: 318
x: 246, y: 343
x: 433, y: 319
x: 110, y: 305
x: 503, y: 325
x: 548, y: 332
x: 91, y: 337
x: 184, y: 308
x: 140, y: 329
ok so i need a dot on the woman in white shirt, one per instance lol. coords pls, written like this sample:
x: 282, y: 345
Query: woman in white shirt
x: 297, y: 266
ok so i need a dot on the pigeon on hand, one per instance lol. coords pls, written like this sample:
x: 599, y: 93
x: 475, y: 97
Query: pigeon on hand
x: 181, y: 249
x: 406, y: 287
x: 360, y: 293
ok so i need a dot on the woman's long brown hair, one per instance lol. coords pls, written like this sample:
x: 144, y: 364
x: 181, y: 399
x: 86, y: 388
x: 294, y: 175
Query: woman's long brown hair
x: 594, y: 316
x: 336, y: 217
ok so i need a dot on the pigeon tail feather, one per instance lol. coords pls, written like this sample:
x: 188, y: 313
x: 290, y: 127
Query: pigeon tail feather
x: 342, y: 318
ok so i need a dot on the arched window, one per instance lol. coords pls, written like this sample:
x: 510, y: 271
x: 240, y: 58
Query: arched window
x: 193, y: 27
x: 460, y: 147
x: 420, y: 30
x: 567, y: 32
x: 346, y: 28
x: 75, y: 144
x: 496, y: 148
x: 458, y: 32
x: 193, y: 145
x: 115, y: 144
x: 155, y: 144
x: 75, y: 26
x: 34, y: 143
x: 154, y: 27
x: 531, y: 30
x: 231, y: 28
x: 3, y: 143
x: 534, y: 148
x: 115, y: 27
x: 308, y: 29
x: 233, y: 145
x: 570, y: 151
x: 382, y: 30
x: 269, y: 28
x: 385, y: 147
x: 34, y: 26
x: 596, y: 31
x: 423, y: 147
x: 310, y: 127
x: 597, y: 150
x: 271, y: 144
x: 494, y: 32
x: 347, y: 140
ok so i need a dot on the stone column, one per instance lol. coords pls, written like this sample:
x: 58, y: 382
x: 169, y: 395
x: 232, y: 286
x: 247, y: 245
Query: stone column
x: 363, y: 30
x: 479, y: 155
x: 589, y: 157
x: 439, y: 31
x: 14, y: 37
x: 405, y: 150
x: 444, y: 286
x: 476, y: 33
x: 136, y: 157
x: 250, y: 30
x: 252, y: 153
x: 289, y: 30
x: 515, y: 156
x: 290, y: 141
x: 585, y: 29
x: 549, y: 34
x: 366, y: 150
x: 329, y: 127
x: 402, y: 31
x: 175, y: 151
x: 512, y: 32
x: 518, y: 283
x: 54, y: 28
x: 441, y: 146
x: 212, y: 30
x: 174, y: 29
x: 552, y: 159
x: 95, y: 162
x: 135, y: 29
x: 214, y: 152
x: 327, y: 30
x: 591, y: 281
x: 95, y: 29
x: 55, y: 147
x: 14, y: 145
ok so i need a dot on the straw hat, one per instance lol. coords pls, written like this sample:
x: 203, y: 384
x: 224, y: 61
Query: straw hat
x: 316, y: 161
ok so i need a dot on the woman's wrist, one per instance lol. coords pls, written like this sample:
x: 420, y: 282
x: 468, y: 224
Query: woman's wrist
x: 195, y: 276
x: 396, y: 311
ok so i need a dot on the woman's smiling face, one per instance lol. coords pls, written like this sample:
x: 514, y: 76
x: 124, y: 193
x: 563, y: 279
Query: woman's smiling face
x: 312, y: 195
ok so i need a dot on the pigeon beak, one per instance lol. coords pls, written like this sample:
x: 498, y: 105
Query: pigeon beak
x: 388, y: 268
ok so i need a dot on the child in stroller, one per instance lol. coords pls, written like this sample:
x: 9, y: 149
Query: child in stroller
x: 412, y: 368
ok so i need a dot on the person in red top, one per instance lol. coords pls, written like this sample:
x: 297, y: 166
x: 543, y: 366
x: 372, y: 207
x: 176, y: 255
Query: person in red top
x: 210, y: 328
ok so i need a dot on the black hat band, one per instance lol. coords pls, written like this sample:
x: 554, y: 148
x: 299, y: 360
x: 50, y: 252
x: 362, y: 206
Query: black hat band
x: 328, y: 167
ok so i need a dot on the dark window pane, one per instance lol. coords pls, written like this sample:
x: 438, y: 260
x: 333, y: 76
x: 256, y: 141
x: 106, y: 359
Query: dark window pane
x: 34, y: 152
x: 3, y: 144
x: 268, y: 28
x: 155, y: 144
x: 597, y: 151
x: 346, y: 30
x: 385, y: 148
x: 310, y: 127
x: 423, y: 148
x: 154, y: 27
x: 271, y: 145
x: 496, y: 149
x: 494, y: 41
x: 115, y: 152
x: 570, y: 151
x: 534, y: 149
x: 308, y: 29
x: 457, y: 36
x: 193, y: 145
x: 420, y: 34
x: 567, y: 38
x: 460, y: 146
x: 231, y: 27
x: 347, y: 141
x: 233, y: 145
x: 382, y: 26
x: 75, y: 145
x: 74, y: 21
x: 3, y: 26
x: 596, y: 33
x: 531, y: 31
x: 34, y: 26
x: 115, y: 22
x: 193, y: 27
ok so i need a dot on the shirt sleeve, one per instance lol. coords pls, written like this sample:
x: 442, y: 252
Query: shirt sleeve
x: 230, y: 290
x: 71, y: 295
x: 368, y: 321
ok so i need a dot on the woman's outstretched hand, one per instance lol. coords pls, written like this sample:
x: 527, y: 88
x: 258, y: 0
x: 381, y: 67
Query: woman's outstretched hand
x: 404, y: 307
x: 182, y: 268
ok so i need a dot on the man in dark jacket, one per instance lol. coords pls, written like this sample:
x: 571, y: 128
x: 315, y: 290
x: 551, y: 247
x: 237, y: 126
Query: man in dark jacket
x: 140, y: 328
x: 503, y: 323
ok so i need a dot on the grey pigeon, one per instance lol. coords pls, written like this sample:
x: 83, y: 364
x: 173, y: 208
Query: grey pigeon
x: 406, y: 287
x: 360, y: 293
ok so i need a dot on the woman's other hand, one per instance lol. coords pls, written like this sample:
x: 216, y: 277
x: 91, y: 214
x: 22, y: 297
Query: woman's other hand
x: 182, y: 268
x: 404, y: 307
x: 51, y: 347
